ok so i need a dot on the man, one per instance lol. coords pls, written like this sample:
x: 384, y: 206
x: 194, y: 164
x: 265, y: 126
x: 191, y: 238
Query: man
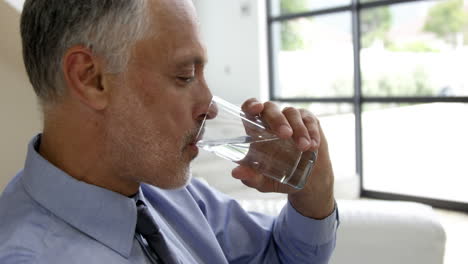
x: 122, y: 90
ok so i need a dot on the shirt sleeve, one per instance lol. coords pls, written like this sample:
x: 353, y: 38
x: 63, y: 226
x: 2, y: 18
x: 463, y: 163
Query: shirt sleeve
x: 300, y: 239
x: 251, y: 237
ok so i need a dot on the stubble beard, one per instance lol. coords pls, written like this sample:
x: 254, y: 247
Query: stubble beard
x: 140, y: 152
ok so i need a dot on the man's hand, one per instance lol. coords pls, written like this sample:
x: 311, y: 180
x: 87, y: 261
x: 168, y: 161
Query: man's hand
x: 316, y: 199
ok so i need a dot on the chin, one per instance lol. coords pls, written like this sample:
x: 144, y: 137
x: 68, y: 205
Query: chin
x: 178, y: 179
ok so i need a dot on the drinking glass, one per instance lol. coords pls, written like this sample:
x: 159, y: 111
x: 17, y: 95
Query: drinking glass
x: 248, y: 141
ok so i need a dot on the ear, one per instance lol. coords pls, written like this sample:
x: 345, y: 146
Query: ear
x: 83, y: 74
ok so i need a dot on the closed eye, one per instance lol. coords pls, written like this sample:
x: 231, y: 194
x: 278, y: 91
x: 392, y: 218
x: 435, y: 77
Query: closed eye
x: 186, y: 79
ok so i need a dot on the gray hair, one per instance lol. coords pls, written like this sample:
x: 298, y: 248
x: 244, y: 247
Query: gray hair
x: 50, y: 27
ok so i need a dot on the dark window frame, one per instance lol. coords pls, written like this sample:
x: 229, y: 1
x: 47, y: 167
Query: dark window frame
x: 358, y: 100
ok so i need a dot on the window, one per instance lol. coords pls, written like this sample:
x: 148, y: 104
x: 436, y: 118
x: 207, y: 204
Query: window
x: 388, y: 79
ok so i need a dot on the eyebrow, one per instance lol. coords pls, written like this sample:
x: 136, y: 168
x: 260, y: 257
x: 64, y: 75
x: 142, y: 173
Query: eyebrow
x: 191, y: 60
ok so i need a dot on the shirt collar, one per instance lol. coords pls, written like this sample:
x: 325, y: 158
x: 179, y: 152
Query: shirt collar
x: 107, y: 216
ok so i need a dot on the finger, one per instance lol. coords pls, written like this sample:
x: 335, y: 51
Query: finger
x: 248, y: 176
x: 252, y: 107
x: 253, y: 179
x: 243, y: 173
x: 276, y: 120
x: 313, y: 127
x: 300, y: 131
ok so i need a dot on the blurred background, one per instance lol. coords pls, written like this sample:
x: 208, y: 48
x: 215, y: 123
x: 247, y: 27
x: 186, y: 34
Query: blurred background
x: 388, y: 80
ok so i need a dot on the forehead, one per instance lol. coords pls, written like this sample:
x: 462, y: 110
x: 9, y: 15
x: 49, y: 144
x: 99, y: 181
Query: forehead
x: 175, y: 33
x: 168, y: 16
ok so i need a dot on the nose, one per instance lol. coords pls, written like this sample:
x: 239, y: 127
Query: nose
x: 208, y: 110
x: 212, y: 110
x: 205, y: 109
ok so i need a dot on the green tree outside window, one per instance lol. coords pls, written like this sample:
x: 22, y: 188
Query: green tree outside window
x: 448, y: 20
x: 291, y: 38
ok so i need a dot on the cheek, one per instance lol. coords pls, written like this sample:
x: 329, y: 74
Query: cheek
x: 170, y: 111
x: 149, y: 93
x: 173, y: 124
x: 165, y: 107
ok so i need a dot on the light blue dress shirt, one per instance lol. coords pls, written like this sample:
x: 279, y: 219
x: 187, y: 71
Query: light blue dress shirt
x: 48, y: 217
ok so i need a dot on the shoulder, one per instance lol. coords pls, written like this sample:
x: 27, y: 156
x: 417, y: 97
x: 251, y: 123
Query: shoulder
x: 196, y: 195
x: 211, y: 201
x: 23, y: 225
x: 201, y: 190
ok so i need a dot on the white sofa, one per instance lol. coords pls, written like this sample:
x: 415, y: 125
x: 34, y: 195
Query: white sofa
x: 370, y: 231
x: 379, y: 232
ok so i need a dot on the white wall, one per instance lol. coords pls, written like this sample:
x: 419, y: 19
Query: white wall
x: 17, y: 4
x: 237, y: 70
x: 19, y: 115
x: 236, y: 44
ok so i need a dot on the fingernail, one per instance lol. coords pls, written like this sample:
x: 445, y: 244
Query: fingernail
x: 304, y: 143
x: 236, y: 174
x: 314, y: 143
x: 254, y: 104
x: 285, y: 130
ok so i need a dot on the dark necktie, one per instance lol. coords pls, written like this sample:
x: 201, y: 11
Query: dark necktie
x: 148, y: 228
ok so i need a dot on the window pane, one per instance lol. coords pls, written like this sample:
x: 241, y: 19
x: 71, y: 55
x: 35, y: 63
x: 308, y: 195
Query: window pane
x: 415, y: 49
x: 338, y: 124
x: 313, y: 56
x: 417, y: 149
x: 281, y: 7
